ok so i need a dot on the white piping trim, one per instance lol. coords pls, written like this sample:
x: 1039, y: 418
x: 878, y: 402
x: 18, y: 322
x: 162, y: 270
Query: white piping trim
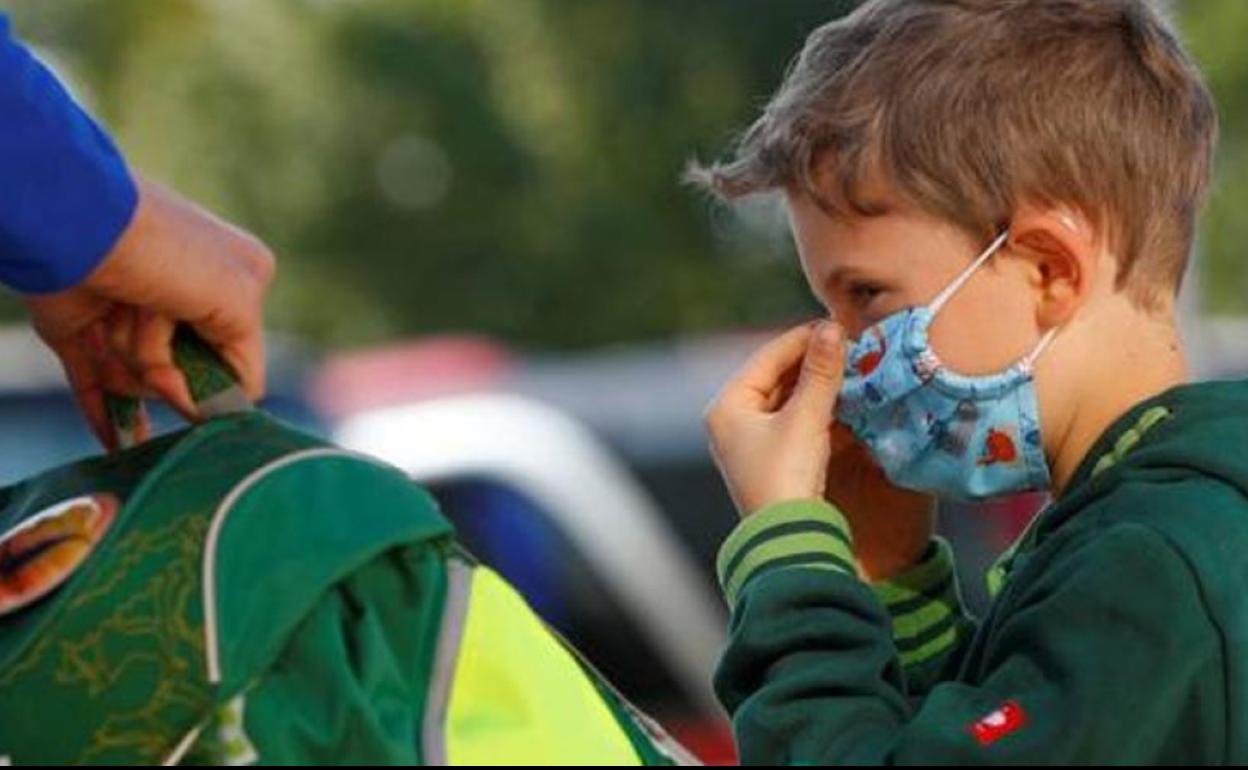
x: 183, y: 746
x: 211, y: 650
x: 445, y: 661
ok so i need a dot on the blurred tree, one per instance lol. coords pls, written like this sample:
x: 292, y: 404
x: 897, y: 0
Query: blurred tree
x: 503, y: 167
x: 1214, y: 30
x: 510, y: 168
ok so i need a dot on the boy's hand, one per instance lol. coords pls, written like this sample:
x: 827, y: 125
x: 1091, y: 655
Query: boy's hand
x: 174, y: 262
x: 774, y: 437
x: 769, y: 425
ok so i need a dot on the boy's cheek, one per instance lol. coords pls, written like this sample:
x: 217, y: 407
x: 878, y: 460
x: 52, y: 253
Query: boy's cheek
x: 984, y: 332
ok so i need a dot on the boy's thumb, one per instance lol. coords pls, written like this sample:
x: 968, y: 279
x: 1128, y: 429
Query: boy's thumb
x: 822, y: 373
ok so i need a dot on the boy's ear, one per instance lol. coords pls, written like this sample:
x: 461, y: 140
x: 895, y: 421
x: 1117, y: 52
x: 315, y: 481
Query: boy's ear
x: 1059, y: 248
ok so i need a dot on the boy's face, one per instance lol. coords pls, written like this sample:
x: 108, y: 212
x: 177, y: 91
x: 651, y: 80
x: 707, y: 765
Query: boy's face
x: 865, y: 268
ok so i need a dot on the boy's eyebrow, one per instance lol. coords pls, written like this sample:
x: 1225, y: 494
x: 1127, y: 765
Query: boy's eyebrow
x: 839, y: 274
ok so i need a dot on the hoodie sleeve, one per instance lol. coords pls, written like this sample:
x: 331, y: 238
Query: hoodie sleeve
x: 67, y: 192
x: 930, y: 624
x: 812, y: 672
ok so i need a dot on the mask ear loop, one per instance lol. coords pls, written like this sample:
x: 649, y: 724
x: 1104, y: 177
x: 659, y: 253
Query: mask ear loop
x: 1027, y: 362
x: 936, y: 304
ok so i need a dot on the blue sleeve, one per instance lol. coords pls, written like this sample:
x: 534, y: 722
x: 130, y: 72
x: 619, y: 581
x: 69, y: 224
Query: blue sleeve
x: 66, y: 192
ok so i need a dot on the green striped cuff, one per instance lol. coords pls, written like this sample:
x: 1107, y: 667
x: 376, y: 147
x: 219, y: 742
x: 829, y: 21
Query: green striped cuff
x: 793, y: 533
x: 925, y: 604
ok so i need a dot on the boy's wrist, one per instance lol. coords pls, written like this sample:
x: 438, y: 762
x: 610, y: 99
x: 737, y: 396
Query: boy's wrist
x: 896, y: 564
x: 930, y: 569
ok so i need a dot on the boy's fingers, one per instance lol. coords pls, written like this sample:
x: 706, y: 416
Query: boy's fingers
x: 822, y: 373
x: 755, y: 384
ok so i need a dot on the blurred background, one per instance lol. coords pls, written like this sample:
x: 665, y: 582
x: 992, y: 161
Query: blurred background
x: 491, y: 276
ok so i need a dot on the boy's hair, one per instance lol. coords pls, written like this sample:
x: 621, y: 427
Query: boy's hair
x: 970, y: 107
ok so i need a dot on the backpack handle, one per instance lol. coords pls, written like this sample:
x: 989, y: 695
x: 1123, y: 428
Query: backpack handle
x: 213, y: 383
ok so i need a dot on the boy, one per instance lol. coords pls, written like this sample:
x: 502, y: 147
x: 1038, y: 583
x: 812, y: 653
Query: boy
x: 996, y: 200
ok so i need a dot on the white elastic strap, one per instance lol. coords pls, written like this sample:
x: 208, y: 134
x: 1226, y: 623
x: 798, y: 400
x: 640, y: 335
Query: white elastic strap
x: 944, y: 296
x: 1029, y: 360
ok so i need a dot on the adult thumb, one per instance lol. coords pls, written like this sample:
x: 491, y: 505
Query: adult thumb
x: 818, y: 385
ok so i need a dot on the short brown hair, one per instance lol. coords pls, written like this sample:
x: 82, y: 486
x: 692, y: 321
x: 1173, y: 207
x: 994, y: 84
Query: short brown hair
x: 970, y: 107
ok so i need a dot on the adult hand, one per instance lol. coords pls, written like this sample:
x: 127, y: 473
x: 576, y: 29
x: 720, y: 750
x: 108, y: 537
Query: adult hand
x: 174, y: 262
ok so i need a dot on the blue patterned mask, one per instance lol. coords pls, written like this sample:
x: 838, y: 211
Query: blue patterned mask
x: 933, y: 430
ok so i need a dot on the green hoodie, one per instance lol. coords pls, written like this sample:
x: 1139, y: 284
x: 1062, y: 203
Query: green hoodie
x: 1117, y: 633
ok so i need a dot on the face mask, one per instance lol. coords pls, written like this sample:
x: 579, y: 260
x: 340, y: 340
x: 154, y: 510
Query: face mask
x: 934, y: 430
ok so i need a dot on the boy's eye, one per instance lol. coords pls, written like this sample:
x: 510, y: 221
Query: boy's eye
x: 862, y: 294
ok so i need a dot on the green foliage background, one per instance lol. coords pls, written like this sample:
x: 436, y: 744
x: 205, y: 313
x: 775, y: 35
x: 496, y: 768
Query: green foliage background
x: 507, y: 167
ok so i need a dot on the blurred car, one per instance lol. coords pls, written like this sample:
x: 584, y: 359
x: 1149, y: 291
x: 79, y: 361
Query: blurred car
x: 538, y: 495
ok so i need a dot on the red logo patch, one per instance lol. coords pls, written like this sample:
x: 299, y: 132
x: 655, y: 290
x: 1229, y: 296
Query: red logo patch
x: 1001, y: 722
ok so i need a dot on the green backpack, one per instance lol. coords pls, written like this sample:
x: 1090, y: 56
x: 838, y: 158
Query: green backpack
x: 240, y: 592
